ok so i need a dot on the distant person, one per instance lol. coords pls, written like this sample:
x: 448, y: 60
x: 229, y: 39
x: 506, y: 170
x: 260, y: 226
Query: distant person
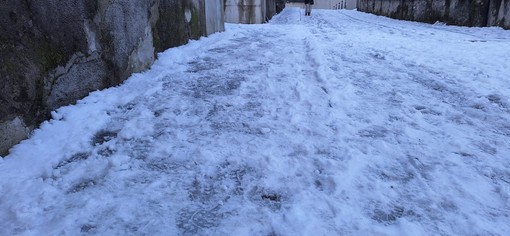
x: 308, y: 7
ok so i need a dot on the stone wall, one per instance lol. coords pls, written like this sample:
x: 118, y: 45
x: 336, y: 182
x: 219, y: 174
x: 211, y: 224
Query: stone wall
x: 55, y: 52
x: 499, y: 13
x: 456, y: 12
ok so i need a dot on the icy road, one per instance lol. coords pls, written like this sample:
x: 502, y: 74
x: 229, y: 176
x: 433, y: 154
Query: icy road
x: 342, y: 123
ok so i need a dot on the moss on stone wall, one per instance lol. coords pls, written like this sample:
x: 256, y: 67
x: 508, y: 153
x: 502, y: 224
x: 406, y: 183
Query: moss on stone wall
x: 172, y: 28
x: 48, y: 56
x: 195, y: 24
x: 169, y: 30
x: 7, y: 66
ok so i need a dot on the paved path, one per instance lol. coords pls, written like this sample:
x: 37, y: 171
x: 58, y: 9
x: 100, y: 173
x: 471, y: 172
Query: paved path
x: 341, y: 123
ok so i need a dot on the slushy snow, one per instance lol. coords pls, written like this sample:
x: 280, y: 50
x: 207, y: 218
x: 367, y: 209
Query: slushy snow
x: 342, y: 123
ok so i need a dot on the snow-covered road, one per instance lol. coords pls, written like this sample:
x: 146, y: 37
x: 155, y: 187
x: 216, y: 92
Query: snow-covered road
x: 341, y: 123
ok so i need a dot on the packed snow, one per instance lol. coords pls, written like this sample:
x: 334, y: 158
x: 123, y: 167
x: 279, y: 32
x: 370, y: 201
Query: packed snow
x: 342, y: 123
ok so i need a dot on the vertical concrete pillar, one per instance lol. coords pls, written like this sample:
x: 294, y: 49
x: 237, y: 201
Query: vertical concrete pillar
x: 215, y: 15
x: 245, y: 11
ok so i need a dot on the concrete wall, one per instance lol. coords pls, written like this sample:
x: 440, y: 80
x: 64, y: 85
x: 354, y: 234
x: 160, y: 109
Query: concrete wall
x: 335, y: 4
x: 215, y: 15
x: 55, y: 52
x: 457, y: 12
x: 245, y: 11
x: 251, y: 11
x: 326, y: 4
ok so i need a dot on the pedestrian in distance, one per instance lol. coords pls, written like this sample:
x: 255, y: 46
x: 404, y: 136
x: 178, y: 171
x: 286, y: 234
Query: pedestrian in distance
x: 308, y: 7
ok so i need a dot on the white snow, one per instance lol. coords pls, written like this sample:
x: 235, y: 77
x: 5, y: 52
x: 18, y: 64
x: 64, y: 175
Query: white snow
x: 342, y: 123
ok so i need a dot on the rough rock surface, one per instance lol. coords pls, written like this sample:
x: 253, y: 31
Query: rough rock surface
x: 53, y: 52
x: 457, y: 12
